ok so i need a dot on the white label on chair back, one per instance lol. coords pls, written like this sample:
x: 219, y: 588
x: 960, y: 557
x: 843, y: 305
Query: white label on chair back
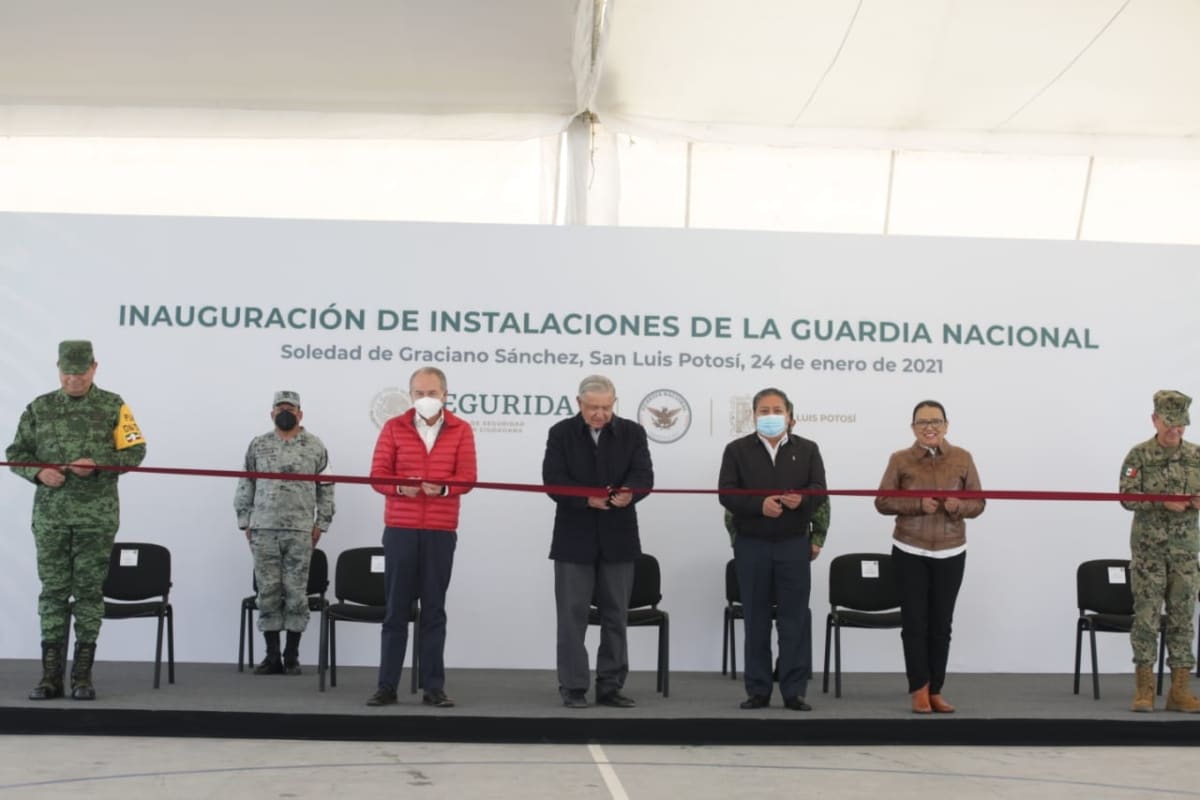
x: 870, y: 569
x: 376, y: 563
x: 1116, y: 574
x: 129, y: 558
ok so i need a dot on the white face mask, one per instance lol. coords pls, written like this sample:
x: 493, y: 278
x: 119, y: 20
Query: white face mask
x: 428, y: 407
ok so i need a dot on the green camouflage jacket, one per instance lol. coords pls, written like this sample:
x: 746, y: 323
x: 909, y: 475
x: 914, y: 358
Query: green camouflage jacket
x: 58, y: 429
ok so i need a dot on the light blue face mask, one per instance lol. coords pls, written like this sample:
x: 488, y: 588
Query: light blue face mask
x: 770, y: 425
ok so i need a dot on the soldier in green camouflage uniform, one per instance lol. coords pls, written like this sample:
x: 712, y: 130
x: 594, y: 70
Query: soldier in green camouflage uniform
x: 283, y: 520
x: 1164, y: 543
x: 75, y: 508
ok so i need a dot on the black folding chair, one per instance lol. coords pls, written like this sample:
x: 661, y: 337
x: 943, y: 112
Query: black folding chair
x: 1106, y: 606
x: 360, y: 596
x: 862, y: 594
x: 138, y: 586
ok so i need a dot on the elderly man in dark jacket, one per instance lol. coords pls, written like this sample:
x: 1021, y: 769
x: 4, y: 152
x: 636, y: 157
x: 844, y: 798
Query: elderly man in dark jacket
x: 595, y: 537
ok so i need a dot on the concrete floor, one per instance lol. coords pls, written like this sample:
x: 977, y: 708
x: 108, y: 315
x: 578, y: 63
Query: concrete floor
x: 121, y: 767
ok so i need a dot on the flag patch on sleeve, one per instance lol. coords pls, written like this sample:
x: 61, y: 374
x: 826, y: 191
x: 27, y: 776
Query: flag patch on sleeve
x: 127, y: 433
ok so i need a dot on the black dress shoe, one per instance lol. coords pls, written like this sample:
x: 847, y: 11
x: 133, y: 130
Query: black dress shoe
x: 616, y: 700
x: 796, y: 704
x: 756, y: 701
x: 291, y: 667
x: 574, y: 698
x: 437, y: 698
x: 383, y: 697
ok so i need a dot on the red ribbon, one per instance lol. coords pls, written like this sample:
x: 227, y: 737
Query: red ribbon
x: 587, y: 491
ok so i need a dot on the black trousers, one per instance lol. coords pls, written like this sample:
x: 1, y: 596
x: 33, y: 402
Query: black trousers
x: 928, y: 592
x: 786, y: 564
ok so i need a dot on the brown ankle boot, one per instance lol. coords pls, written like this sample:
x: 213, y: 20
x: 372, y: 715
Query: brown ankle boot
x: 1180, y: 699
x: 939, y: 705
x: 920, y: 701
x: 1143, y: 695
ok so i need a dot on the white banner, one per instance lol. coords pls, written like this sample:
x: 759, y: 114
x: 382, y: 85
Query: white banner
x: 1045, y: 355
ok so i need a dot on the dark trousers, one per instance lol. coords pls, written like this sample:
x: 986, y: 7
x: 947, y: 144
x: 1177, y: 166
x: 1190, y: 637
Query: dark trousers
x: 416, y: 563
x: 928, y: 591
x: 574, y: 587
x: 787, y: 564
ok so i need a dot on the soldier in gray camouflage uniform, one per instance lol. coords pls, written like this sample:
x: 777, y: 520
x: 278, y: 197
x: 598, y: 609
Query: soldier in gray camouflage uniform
x: 283, y: 520
x: 75, y: 508
x: 1164, y: 543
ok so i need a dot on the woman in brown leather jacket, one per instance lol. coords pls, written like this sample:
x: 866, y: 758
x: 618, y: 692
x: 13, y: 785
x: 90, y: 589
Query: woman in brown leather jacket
x: 929, y: 547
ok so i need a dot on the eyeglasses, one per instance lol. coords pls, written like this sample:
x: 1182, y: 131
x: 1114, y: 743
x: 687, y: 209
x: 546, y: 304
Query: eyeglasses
x: 936, y: 424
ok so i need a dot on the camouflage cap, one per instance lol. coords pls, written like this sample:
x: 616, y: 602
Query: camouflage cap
x: 75, y: 356
x: 1172, y: 407
x: 287, y: 396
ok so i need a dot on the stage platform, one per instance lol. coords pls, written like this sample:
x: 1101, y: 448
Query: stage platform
x: 522, y: 706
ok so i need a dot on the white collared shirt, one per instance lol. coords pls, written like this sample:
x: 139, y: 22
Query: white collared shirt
x: 428, y: 433
x: 773, y: 450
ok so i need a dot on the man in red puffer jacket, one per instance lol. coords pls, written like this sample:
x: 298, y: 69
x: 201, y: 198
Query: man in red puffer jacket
x: 433, y: 446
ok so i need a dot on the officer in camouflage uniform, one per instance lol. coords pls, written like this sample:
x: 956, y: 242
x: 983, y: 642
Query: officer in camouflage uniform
x: 283, y: 520
x: 1164, y: 543
x: 75, y: 508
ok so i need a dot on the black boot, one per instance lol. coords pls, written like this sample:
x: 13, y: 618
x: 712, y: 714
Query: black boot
x: 272, y: 664
x: 81, y: 671
x: 53, y: 664
x: 291, y: 653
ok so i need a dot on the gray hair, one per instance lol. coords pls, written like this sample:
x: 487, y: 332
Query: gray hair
x: 441, y: 376
x: 597, y: 384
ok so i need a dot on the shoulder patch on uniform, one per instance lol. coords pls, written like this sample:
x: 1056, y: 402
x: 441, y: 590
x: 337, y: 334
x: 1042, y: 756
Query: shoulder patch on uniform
x: 1131, y: 472
x: 127, y: 433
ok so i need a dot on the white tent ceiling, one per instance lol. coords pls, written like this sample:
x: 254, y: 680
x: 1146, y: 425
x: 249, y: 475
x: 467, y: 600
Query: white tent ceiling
x: 1075, y: 75
x: 1077, y: 67
x: 302, y: 68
